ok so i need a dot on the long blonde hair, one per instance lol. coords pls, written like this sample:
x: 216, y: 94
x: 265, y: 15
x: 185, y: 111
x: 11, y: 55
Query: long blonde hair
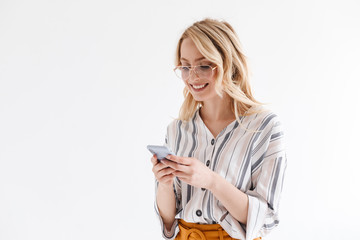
x: 218, y: 42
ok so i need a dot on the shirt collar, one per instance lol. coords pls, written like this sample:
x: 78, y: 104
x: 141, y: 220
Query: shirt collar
x: 231, y: 126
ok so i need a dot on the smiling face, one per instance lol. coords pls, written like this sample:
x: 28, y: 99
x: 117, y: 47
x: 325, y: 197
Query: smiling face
x: 201, y: 89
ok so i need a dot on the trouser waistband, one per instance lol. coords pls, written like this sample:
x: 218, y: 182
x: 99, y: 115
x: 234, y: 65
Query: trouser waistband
x: 194, y: 231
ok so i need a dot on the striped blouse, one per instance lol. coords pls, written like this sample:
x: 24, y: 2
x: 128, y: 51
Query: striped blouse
x: 254, y: 162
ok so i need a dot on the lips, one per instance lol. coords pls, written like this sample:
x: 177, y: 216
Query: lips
x: 199, y: 86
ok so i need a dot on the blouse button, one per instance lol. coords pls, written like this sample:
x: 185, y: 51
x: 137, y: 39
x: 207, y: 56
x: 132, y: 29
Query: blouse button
x: 208, y: 163
x: 198, y: 213
x: 212, y: 142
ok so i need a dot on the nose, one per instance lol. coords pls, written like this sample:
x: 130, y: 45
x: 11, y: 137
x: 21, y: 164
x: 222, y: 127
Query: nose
x: 193, y: 76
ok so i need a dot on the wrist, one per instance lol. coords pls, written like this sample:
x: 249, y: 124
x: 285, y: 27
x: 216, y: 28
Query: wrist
x: 166, y: 187
x: 214, y: 179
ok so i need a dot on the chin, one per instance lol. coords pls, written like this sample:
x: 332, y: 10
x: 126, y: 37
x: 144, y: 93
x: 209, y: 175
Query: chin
x: 196, y: 96
x: 206, y: 98
x: 199, y: 99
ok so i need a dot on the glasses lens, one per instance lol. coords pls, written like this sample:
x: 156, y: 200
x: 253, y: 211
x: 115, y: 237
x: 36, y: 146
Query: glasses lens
x: 183, y: 72
x: 178, y: 72
x: 204, y: 71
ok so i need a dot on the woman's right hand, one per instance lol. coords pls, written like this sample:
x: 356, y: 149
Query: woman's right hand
x: 162, y: 172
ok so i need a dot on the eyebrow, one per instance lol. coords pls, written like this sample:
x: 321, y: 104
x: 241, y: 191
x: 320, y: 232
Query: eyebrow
x: 198, y: 59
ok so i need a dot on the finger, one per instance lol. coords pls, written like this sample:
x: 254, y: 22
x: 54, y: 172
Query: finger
x: 174, y: 165
x: 183, y: 179
x: 164, y: 172
x: 154, y: 159
x: 181, y: 175
x: 181, y: 160
x: 159, y: 166
x: 166, y: 178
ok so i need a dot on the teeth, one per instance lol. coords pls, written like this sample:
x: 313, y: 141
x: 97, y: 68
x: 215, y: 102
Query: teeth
x: 199, y: 86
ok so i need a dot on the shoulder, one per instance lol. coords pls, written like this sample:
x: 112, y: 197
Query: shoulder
x: 174, y: 126
x: 265, y: 119
x: 268, y: 130
x: 177, y: 123
x: 173, y: 123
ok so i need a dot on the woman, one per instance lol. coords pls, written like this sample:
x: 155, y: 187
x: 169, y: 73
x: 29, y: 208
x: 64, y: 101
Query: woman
x: 225, y: 179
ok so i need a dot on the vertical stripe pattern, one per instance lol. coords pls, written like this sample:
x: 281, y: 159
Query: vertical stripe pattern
x: 253, y: 162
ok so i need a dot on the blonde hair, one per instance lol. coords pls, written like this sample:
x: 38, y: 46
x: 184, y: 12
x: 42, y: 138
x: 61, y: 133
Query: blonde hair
x: 218, y: 42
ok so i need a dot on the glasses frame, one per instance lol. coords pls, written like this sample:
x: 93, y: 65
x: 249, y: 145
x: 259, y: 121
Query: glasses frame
x: 193, y: 69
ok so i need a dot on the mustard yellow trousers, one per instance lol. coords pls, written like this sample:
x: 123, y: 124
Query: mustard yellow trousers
x: 194, y: 231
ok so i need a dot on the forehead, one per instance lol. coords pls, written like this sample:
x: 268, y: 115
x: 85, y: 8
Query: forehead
x: 189, y: 51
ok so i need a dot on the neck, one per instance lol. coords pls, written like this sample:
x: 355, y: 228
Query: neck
x: 217, y: 110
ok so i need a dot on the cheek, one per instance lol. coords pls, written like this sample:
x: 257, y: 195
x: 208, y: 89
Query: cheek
x: 187, y: 86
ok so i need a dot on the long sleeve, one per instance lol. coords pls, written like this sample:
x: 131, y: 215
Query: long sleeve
x: 268, y: 170
x: 177, y: 191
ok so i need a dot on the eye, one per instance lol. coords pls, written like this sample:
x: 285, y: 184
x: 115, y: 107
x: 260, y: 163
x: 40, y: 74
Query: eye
x: 184, y: 68
x: 205, y: 67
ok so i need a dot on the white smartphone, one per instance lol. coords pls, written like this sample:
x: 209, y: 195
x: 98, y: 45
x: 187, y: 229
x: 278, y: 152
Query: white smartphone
x: 160, y: 151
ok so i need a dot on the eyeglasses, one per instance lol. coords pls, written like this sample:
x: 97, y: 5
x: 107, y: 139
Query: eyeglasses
x: 201, y: 71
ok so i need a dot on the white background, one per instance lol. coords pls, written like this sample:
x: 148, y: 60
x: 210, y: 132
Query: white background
x: 86, y: 85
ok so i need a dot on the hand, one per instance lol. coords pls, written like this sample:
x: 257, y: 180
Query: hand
x: 162, y: 172
x: 190, y: 170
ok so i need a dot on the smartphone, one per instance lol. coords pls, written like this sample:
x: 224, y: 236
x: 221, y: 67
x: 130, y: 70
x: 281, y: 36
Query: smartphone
x: 160, y: 151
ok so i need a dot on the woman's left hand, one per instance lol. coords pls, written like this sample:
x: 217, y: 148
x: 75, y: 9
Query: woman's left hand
x: 190, y: 170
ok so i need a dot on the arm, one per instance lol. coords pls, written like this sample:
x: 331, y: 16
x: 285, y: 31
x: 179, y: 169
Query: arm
x: 233, y: 199
x: 195, y: 173
x: 165, y: 203
x: 257, y: 208
x: 165, y: 200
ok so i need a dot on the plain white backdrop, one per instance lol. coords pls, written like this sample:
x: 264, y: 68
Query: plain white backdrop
x: 86, y: 85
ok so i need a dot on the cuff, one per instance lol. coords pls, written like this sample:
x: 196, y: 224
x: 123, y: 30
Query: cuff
x: 256, y: 215
x: 171, y: 234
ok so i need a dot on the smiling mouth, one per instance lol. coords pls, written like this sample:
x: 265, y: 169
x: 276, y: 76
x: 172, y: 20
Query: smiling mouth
x: 199, y: 87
